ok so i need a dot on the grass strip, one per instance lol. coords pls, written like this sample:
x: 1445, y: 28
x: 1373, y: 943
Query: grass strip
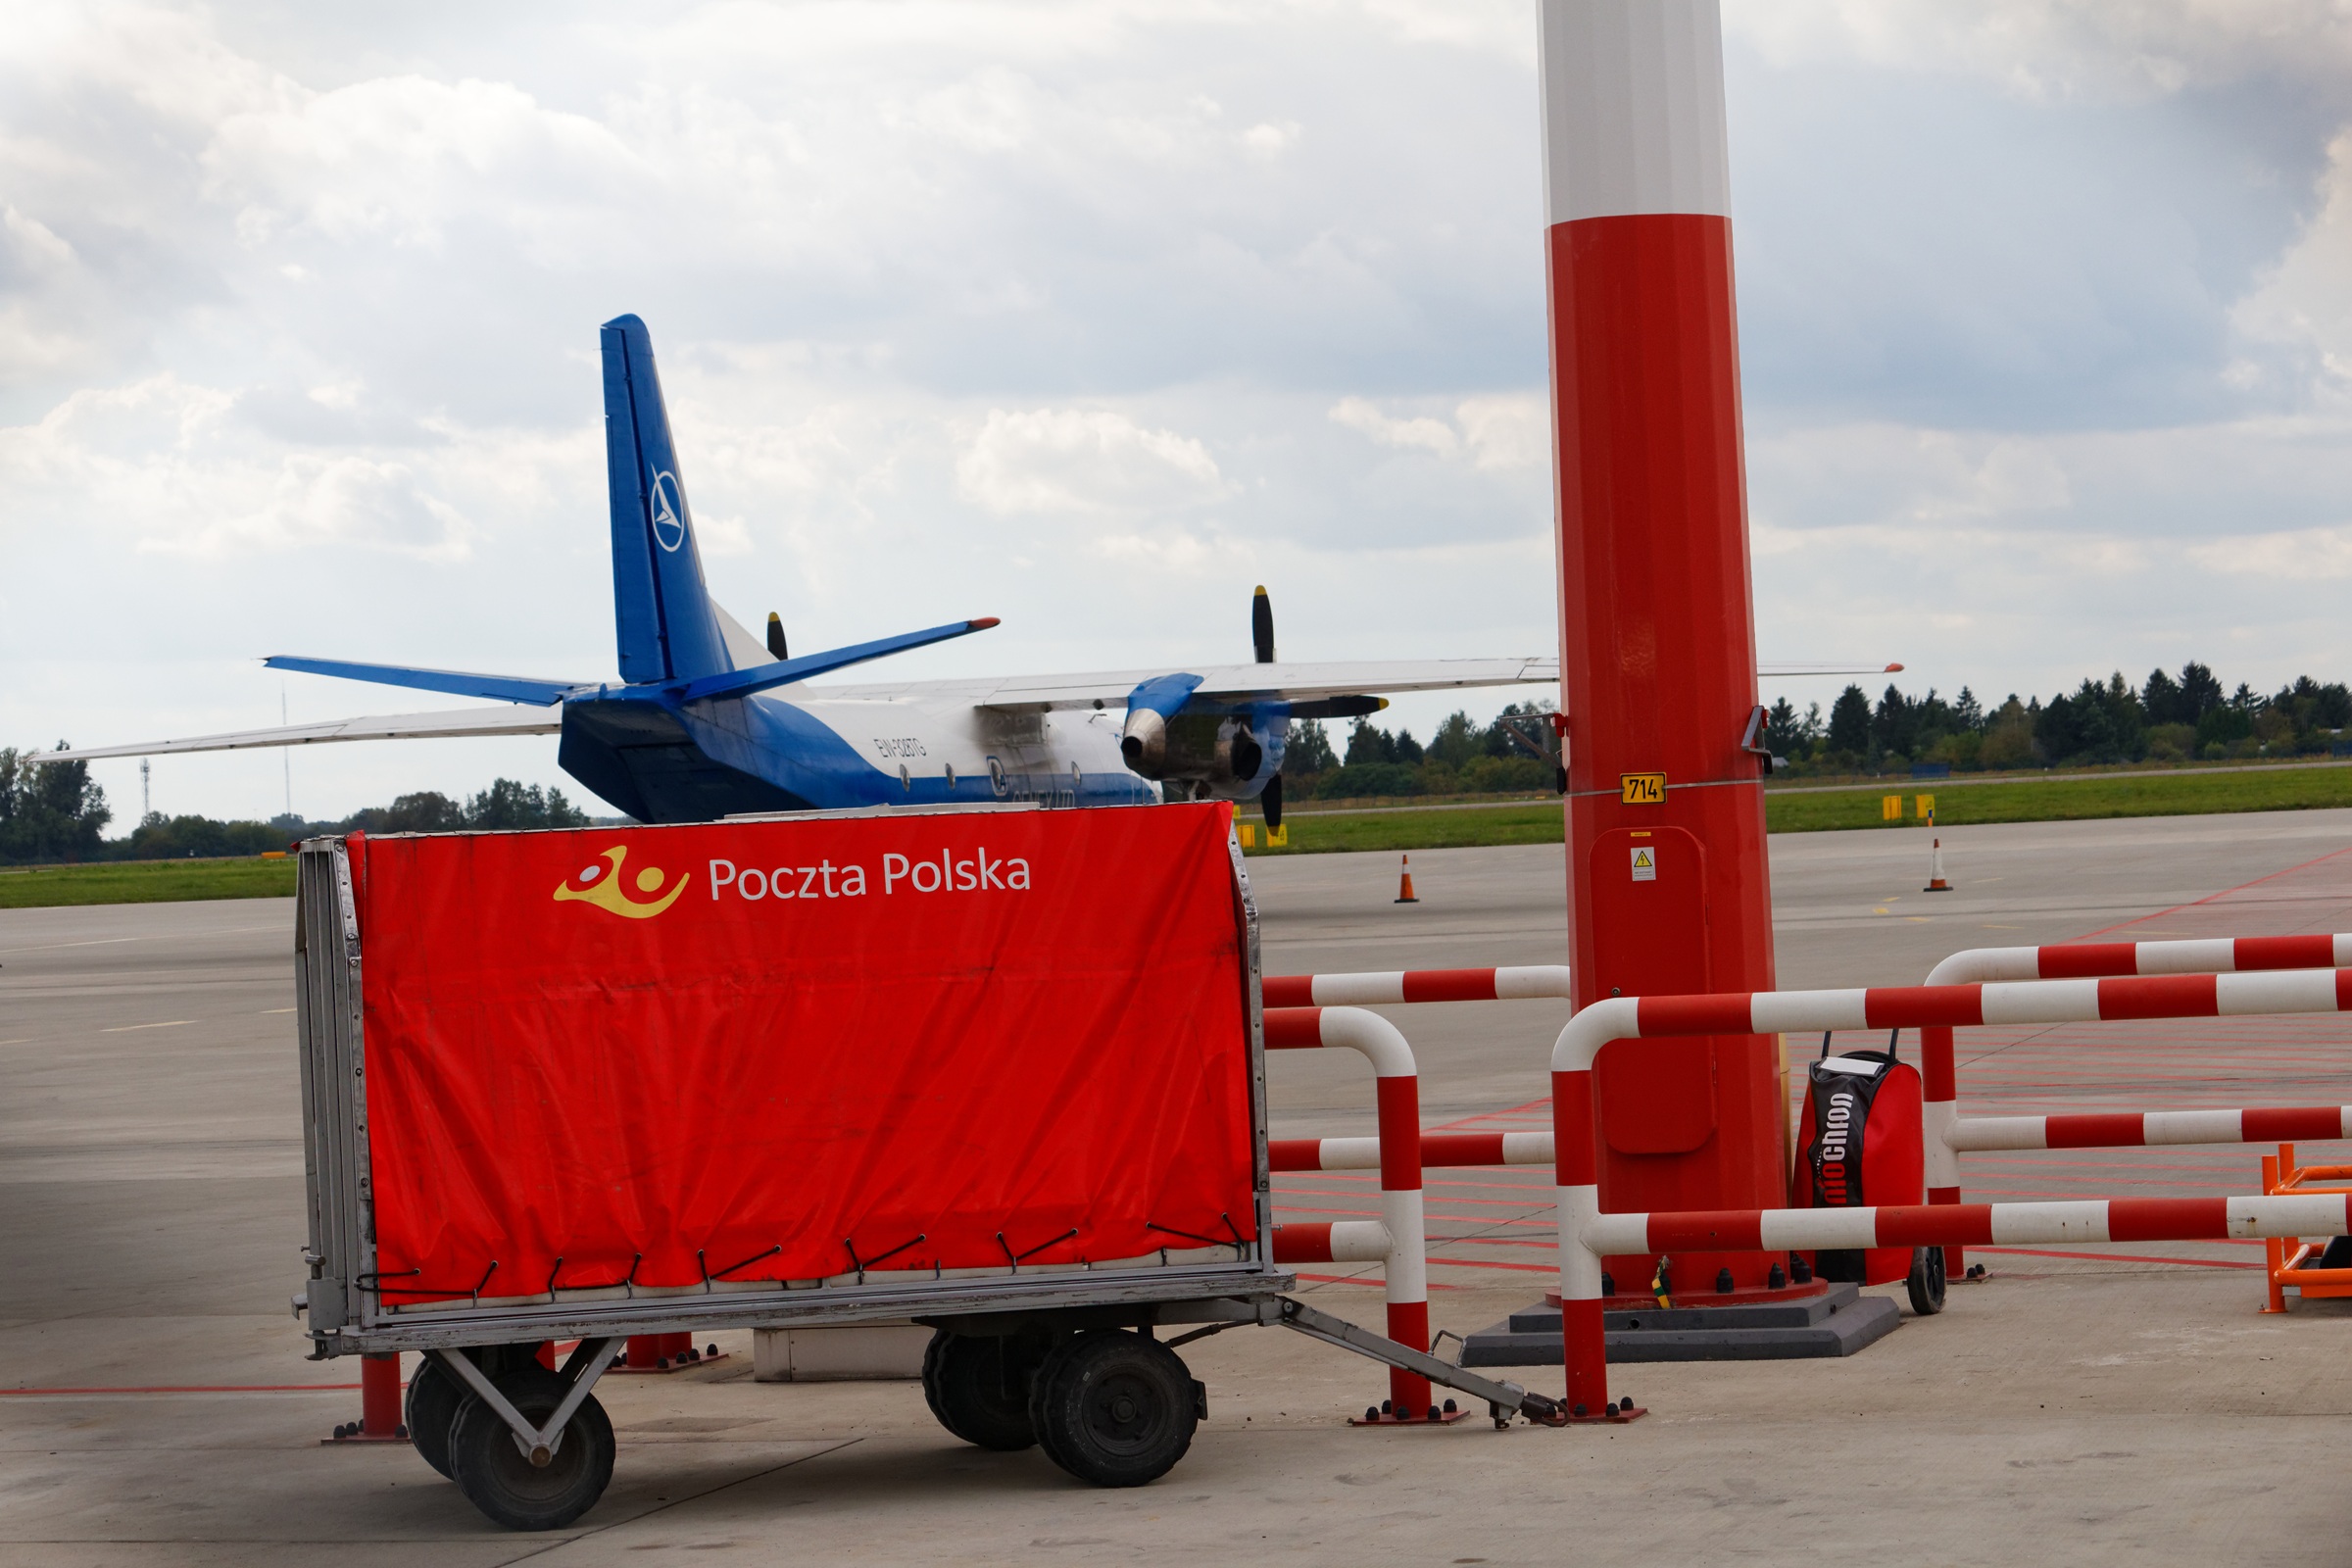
x: 145, y: 882
x: 1334, y: 832
x: 2298, y: 789
x: 2052, y: 800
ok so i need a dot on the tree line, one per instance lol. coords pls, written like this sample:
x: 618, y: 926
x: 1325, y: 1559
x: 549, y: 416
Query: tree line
x: 2166, y: 718
x: 1462, y: 757
x: 52, y: 812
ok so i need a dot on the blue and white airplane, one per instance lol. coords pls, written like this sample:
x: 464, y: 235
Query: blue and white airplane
x: 708, y: 721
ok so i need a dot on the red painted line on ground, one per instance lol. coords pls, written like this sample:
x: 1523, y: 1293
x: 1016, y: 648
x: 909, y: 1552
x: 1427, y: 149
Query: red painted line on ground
x: 1479, y: 1263
x: 201, y: 1387
x: 2142, y: 919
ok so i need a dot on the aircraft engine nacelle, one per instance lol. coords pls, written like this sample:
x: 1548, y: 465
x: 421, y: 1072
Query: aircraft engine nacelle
x: 1198, y: 748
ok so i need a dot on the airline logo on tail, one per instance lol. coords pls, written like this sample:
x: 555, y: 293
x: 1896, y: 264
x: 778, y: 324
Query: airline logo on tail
x: 669, y: 527
x: 601, y: 885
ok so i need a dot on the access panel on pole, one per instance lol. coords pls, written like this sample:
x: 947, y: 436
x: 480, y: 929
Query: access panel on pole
x: 1668, y: 888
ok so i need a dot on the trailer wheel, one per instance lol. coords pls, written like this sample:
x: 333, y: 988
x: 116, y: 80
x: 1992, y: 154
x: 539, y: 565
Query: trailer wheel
x: 1114, y: 1409
x: 1927, y: 1281
x: 431, y: 1410
x: 499, y: 1479
x: 978, y: 1387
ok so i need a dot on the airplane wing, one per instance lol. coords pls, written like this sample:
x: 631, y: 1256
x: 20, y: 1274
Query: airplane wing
x: 1298, y: 682
x: 1782, y: 671
x: 462, y: 722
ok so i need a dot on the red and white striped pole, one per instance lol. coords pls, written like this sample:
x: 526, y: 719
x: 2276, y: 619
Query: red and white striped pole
x: 2112, y: 1128
x: 1525, y: 983
x: 2058, y: 1224
x: 2152, y: 1129
x: 1584, y: 1242
x: 1398, y: 1087
x: 1669, y: 890
x: 2073, y: 960
x: 1438, y: 1152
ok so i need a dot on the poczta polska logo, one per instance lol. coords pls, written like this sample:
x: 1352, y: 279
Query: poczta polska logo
x: 601, y: 885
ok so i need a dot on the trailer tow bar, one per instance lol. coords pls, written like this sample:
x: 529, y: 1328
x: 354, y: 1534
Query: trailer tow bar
x: 539, y: 1444
x: 1503, y: 1399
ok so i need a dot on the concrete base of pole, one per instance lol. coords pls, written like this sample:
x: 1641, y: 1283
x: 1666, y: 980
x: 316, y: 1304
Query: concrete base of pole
x: 1838, y: 1322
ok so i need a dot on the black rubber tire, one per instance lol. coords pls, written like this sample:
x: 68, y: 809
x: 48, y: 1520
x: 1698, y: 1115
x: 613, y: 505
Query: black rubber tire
x: 1113, y: 1408
x: 1927, y: 1281
x: 499, y: 1479
x: 978, y: 1387
x: 432, y: 1409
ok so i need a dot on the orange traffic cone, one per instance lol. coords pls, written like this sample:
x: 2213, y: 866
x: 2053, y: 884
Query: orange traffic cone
x: 1405, y: 887
x: 1935, y: 881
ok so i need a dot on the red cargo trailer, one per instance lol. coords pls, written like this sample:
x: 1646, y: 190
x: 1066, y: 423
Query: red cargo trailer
x: 996, y: 1070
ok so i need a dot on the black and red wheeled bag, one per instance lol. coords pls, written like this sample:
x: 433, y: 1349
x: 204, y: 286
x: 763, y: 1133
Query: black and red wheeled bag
x: 1863, y: 1147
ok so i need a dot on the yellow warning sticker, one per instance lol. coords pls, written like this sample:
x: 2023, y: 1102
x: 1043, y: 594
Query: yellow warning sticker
x: 1643, y: 788
x: 1645, y: 862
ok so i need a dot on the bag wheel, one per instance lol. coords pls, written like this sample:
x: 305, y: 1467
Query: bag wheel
x: 1927, y: 1281
x: 978, y: 1387
x: 1114, y: 1409
x: 498, y: 1478
x: 430, y: 1409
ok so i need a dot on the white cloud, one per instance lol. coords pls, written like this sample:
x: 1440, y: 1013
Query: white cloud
x: 1270, y: 140
x: 1508, y: 431
x: 1431, y: 435
x: 2305, y: 302
x: 2296, y: 555
x: 1170, y: 554
x: 962, y: 307
x: 1094, y: 463
x: 2063, y: 48
x: 1499, y: 431
x: 163, y: 466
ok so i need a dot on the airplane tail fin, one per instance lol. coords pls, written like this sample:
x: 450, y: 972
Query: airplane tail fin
x: 663, y: 618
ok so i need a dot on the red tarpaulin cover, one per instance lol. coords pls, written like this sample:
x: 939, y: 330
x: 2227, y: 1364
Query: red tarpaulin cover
x: 814, y: 1036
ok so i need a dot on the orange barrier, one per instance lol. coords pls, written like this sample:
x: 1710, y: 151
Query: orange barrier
x: 2293, y: 1262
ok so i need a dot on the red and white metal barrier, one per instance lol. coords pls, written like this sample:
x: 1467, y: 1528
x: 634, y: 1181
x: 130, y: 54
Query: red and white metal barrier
x: 1526, y: 983
x: 1404, y: 1245
x: 1439, y: 1151
x: 2110, y: 1219
x: 2146, y: 1129
x: 1586, y: 1236
x: 1946, y: 1138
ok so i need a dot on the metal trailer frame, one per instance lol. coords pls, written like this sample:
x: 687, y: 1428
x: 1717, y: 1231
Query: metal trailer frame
x: 347, y: 1314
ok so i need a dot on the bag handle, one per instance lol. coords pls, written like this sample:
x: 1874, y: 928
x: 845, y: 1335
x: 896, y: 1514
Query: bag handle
x: 1893, y: 1039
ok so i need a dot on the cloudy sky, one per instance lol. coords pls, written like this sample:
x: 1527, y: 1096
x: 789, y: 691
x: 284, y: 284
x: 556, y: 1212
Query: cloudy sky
x: 1091, y: 315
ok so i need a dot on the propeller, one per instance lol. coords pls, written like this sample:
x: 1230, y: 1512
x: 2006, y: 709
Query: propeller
x: 775, y: 637
x: 1261, y: 636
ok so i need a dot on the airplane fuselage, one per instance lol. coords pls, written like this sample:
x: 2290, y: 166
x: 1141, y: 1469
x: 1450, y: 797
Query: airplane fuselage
x: 664, y: 761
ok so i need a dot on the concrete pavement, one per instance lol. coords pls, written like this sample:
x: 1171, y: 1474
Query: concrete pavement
x: 2070, y: 1410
